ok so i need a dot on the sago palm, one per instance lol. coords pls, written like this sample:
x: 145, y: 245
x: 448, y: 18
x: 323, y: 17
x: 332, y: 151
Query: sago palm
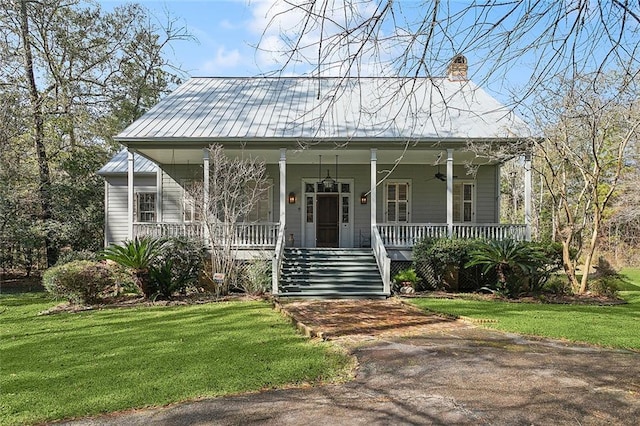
x: 511, y: 260
x: 138, y: 255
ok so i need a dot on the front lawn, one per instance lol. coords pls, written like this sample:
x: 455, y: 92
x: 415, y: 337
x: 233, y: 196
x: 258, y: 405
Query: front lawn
x: 612, y: 326
x: 72, y: 365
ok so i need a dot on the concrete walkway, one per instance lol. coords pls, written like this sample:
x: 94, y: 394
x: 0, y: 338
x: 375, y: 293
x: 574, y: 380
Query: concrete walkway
x: 430, y: 371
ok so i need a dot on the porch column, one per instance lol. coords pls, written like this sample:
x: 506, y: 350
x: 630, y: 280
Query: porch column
x: 373, y: 186
x: 158, y: 194
x: 450, y: 192
x: 205, y: 195
x: 527, y: 195
x: 283, y: 186
x: 130, y: 193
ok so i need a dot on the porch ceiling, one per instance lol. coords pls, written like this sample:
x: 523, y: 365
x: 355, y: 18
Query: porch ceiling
x: 312, y: 156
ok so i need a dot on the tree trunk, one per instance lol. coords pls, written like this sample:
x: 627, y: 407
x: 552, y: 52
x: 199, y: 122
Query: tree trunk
x: 44, y: 187
x: 588, y: 260
x: 569, y: 266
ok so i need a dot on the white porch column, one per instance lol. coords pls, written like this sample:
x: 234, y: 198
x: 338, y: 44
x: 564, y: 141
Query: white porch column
x: 373, y: 186
x: 450, y: 192
x: 283, y: 186
x: 130, y: 193
x: 527, y: 195
x: 158, y: 194
x: 205, y: 195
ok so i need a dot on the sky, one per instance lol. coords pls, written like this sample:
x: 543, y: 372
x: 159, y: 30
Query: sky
x: 227, y: 32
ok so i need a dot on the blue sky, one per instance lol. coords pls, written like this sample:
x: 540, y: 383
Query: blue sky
x: 227, y: 32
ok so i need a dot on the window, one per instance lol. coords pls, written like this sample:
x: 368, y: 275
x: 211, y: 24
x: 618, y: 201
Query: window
x: 261, y: 211
x: 397, y: 202
x: 463, y: 202
x: 146, y: 206
x: 190, y: 212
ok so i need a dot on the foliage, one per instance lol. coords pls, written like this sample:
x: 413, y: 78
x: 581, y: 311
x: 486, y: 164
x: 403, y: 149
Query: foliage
x: 72, y: 75
x: 605, y: 286
x: 139, y: 255
x: 445, y: 258
x: 545, y: 265
x: 170, y: 349
x: 407, y: 275
x: 256, y: 279
x: 79, y: 281
x: 512, y: 261
x: 558, y: 286
x: 612, y: 326
x: 592, y: 129
x: 177, y: 266
x: 71, y: 255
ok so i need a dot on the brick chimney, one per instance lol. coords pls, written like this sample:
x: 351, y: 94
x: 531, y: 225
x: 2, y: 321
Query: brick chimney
x: 458, y: 68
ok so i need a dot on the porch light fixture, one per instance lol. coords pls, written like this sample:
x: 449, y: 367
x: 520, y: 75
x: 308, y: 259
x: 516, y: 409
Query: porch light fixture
x: 327, y: 182
x: 292, y: 198
x: 363, y: 198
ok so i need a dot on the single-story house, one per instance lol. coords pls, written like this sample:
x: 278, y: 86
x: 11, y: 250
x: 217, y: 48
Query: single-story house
x: 373, y: 163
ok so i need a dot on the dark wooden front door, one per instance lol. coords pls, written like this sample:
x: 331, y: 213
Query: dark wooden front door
x: 327, y: 229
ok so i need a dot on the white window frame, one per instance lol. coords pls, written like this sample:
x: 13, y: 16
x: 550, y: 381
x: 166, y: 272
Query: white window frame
x: 189, y: 202
x: 396, y: 182
x: 269, y: 202
x: 140, y: 211
x: 460, y: 203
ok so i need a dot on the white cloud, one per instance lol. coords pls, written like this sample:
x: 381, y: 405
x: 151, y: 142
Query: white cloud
x: 223, y: 60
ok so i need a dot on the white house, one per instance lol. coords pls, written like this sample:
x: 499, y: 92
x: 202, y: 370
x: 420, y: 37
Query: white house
x: 354, y: 162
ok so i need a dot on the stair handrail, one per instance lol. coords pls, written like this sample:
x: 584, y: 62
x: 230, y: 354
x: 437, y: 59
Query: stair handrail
x: 382, y: 259
x: 276, y: 265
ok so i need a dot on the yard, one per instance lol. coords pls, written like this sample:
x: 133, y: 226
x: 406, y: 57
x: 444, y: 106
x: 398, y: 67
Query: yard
x: 72, y: 365
x: 610, y: 326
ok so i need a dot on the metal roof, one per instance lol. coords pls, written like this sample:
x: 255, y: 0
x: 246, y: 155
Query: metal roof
x: 325, y: 108
x: 118, y: 165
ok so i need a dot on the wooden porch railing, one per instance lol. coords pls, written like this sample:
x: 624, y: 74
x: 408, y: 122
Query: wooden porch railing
x: 407, y: 234
x: 382, y: 259
x: 246, y: 235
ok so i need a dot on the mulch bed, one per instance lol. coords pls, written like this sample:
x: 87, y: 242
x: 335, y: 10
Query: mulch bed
x: 560, y: 299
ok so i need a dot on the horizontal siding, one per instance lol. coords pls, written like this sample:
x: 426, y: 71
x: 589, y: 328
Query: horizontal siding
x: 486, y: 195
x: 117, y: 209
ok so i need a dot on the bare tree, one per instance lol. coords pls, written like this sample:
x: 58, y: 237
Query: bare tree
x: 387, y: 37
x: 237, y: 185
x: 589, y: 131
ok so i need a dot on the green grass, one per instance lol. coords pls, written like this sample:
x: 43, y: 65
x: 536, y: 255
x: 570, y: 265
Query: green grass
x: 610, y: 326
x: 71, y: 365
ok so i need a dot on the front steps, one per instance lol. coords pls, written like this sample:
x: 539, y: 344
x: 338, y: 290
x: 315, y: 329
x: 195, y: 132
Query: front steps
x: 330, y: 273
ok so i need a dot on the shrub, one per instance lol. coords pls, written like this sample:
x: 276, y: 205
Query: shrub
x: 177, y: 266
x: 605, y: 286
x: 549, y: 263
x: 512, y: 261
x: 445, y: 258
x: 256, y: 279
x: 71, y: 255
x: 557, y: 285
x: 139, y: 255
x: 79, y: 281
x: 403, y: 277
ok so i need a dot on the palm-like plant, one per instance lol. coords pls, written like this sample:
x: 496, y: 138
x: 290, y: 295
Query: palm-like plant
x: 511, y: 260
x: 138, y: 255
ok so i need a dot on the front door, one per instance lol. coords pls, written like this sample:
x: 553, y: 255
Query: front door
x: 327, y: 223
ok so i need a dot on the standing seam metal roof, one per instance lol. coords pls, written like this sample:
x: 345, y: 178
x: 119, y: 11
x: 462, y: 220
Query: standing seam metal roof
x: 288, y: 107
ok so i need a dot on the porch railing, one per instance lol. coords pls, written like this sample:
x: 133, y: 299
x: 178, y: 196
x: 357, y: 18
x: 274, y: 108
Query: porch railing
x: 276, y: 266
x: 382, y: 259
x: 161, y: 229
x: 247, y: 235
x: 407, y: 234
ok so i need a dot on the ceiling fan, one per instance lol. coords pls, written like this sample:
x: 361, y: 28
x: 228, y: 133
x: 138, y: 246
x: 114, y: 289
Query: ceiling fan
x: 440, y: 176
